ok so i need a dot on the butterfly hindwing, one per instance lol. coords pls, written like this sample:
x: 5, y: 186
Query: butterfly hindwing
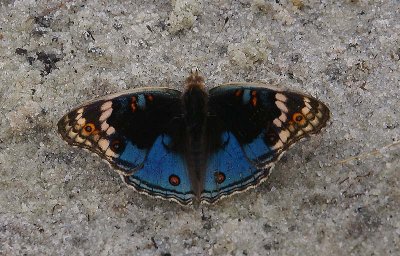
x: 228, y: 170
x: 138, y: 133
x: 263, y: 122
x: 163, y: 174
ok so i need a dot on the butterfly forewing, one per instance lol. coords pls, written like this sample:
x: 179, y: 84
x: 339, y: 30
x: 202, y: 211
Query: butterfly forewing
x: 121, y: 128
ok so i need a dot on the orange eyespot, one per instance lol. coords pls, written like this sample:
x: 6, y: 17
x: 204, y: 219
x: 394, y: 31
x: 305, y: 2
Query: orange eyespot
x: 88, y: 129
x: 150, y: 97
x: 254, y: 98
x: 299, y: 119
x: 219, y: 177
x: 174, y: 180
x: 238, y: 93
x: 133, y: 104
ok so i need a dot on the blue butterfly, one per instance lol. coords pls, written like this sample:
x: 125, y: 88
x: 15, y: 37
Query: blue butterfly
x: 195, y: 146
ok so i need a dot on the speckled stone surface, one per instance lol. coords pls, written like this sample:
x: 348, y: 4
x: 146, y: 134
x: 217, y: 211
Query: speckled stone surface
x: 337, y: 193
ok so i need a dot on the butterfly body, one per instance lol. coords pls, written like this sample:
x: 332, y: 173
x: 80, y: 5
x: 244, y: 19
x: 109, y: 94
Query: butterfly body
x: 194, y: 145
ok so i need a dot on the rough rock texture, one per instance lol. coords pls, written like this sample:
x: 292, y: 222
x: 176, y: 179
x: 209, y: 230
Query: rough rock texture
x: 335, y: 194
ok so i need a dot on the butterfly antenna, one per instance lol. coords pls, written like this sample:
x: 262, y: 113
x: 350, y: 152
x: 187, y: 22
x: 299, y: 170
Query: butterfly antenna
x: 220, y: 31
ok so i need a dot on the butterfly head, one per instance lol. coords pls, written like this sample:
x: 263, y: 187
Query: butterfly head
x: 195, y: 80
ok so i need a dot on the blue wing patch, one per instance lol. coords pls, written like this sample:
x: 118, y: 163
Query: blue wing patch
x: 130, y: 158
x: 163, y: 174
x: 259, y: 152
x: 229, y: 171
x: 257, y: 149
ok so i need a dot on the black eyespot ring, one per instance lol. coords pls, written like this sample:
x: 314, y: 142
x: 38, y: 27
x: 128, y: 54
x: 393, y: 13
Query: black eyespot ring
x: 88, y: 129
x: 174, y: 180
x: 271, y: 137
x: 117, y: 146
x: 219, y: 177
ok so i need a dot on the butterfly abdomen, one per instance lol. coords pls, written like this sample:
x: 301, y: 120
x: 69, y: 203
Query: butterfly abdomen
x: 196, y: 163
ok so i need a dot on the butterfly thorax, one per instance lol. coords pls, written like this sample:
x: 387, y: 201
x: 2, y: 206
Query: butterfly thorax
x: 194, y: 103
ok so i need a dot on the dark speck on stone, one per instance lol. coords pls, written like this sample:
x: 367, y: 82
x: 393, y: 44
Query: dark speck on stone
x: 21, y: 51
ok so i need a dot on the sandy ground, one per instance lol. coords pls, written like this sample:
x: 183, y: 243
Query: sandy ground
x: 335, y: 194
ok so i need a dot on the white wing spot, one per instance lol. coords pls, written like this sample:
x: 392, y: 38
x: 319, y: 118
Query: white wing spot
x: 111, y: 153
x: 314, y: 121
x: 78, y: 127
x: 81, y: 121
x: 284, y: 135
x: 103, y: 144
x: 72, y: 134
x: 277, y: 145
x: 106, y: 114
x: 305, y: 110
x: 96, y: 137
x: 308, y: 128
x: 106, y: 105
x: 281, y: 97
x: 283, y: 117
x: 299, y: 133
x: 78, y: 116
x: 104, y: 126
x: 79, y: 139
x: 110, y: 130
x: 281, y: 106
x: 67, y: 127
x: 277, y: 122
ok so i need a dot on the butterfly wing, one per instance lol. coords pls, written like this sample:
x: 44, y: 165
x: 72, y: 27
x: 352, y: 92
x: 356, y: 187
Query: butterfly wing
x: 136, y: 132
x: 257, y: 124
x: 164, y: 174
x: 228, y: 169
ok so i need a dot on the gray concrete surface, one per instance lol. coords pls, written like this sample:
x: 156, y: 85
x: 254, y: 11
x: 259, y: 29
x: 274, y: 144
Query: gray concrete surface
x: 334, y: 194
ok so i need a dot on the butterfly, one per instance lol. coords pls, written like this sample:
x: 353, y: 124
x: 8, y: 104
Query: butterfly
x: 194, y: 146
